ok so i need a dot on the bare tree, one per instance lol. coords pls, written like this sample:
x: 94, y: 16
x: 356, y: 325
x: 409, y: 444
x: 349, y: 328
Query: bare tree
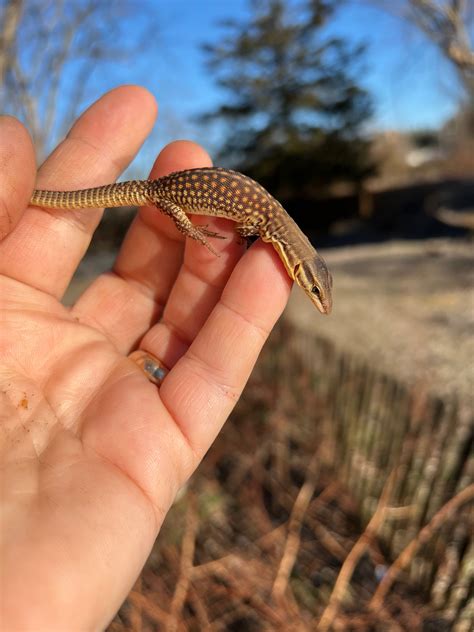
x: 12, y: 11
x: 446, y: 23
x: 50, y: 51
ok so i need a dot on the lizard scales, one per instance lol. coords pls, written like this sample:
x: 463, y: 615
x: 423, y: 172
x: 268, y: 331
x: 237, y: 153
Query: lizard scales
x: 220, y: 193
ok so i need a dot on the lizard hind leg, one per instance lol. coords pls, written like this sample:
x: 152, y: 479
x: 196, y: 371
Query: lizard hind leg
x: 186, y: 227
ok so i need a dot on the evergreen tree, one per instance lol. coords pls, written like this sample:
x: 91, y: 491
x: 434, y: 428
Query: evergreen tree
x: 294, y: 112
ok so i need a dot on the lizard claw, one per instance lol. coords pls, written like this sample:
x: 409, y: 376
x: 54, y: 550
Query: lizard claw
x: 210, y: 233
x: 205, y: 243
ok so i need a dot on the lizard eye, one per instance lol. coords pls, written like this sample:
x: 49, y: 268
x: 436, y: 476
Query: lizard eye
x: 315, y: 290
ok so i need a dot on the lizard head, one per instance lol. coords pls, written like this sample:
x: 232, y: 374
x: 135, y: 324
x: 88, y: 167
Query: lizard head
x: 313, y: 276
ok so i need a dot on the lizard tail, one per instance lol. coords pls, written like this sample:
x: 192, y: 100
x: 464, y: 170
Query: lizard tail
x: 131, y: 193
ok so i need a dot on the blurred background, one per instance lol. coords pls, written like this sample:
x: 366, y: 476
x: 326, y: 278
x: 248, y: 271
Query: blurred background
x: 340, y: 494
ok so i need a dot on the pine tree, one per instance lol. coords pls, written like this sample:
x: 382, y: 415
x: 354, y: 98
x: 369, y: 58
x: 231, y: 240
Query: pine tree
x: 294, y: 112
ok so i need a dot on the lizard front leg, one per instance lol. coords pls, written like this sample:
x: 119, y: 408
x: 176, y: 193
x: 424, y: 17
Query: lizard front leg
x: 246, y: 232
x: 185, y: 226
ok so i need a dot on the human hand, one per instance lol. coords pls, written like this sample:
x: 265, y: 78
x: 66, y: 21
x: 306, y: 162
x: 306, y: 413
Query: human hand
x: 92, y: 453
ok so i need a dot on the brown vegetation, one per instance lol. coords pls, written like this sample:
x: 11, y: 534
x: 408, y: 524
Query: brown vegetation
x: 308, y: 500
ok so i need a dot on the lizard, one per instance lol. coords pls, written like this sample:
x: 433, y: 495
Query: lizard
x: 215, y: 192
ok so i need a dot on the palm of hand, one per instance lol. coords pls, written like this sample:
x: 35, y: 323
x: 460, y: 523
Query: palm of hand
x: 55, y: 408
x: 77, y: 451
x: 92, y: 453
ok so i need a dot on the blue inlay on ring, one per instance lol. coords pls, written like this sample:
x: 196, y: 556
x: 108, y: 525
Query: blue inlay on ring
x: 154, y: 370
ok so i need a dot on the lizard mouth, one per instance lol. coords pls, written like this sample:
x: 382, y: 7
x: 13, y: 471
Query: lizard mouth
x: 323, y: 305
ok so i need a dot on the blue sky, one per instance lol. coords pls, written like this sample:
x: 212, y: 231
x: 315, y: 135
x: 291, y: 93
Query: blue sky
x: 412, y: 86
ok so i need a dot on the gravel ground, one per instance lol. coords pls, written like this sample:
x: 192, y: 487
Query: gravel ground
x: 407, y: 306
